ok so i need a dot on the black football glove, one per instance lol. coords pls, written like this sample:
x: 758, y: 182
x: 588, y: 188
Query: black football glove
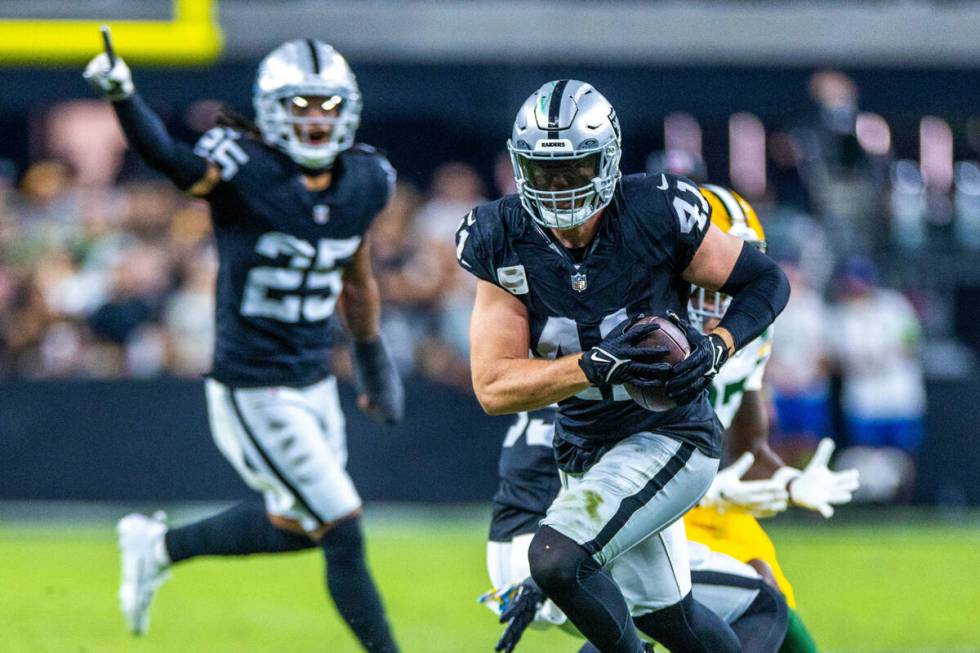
x: 693, y: 374
x: 619, y: 359
x: 519, y: 614
x: 380, y: 389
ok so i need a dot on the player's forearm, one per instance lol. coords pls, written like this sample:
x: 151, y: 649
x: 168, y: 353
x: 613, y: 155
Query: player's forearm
x: 515, y: 385
x: 360, y: 305
x: 749, y: 432
x: 759, y: 291
x: 147, y: 134
x: 767, y: 462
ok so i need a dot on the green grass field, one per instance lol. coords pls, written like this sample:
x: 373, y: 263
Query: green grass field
x: 898, y: 584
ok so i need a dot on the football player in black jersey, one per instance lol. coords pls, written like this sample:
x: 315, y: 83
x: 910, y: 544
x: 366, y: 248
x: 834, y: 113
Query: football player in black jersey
x: 529, y: 481
x: 565, y: 266
x: 291, y: 198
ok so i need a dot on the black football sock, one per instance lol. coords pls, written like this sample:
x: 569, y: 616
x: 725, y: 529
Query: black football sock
x: 587, y: 594
x: 689, y: 627
x: 798, y: 638
x: 352, y: 589
x: 240, y: 530
x: 762, y: 626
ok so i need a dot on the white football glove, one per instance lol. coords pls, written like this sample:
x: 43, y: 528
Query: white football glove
x: 763, y: 498
x: 817, y: 487
x: 113, y: 82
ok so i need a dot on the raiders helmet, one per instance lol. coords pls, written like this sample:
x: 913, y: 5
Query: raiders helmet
x: 565, y: 150
x: 286, y: 78
x: 732, y: 214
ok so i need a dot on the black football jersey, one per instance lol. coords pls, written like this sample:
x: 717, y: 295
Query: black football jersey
x: 282, y: 250
x: 529, y: 479
x: 646, y: 238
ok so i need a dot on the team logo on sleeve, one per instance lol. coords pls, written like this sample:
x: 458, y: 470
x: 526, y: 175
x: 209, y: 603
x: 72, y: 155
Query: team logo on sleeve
x: 513, y: 279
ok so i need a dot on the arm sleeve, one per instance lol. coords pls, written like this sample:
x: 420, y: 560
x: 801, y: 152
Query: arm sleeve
x: 759, y: 291
x: 147, y: 135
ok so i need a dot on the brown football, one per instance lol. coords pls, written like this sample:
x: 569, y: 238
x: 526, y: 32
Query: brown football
x: 672, y: 337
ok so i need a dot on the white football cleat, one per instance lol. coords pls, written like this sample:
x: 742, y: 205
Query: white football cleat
x: 143, y: 570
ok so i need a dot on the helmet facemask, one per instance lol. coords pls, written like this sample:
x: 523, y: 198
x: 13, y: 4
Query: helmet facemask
x: 307, y: 103
x: 564, y: 190
x: 704, y: 305
x: 565, y: 148
x: 312, y: 125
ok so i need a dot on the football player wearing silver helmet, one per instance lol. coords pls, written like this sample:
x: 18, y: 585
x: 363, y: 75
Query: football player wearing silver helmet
x: 565, y: 267
x: 565, y: 149
x: 307, y: 102
x: 291, y: 198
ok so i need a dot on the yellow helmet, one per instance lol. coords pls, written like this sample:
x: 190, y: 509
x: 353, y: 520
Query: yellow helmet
x: 732, y: 214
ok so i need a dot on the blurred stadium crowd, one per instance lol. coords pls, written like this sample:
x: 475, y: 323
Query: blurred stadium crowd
x: 107, y: 271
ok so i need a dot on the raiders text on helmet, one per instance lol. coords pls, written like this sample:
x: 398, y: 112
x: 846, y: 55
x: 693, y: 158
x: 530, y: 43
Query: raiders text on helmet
x: 565, y: 149
x: 293, y: 72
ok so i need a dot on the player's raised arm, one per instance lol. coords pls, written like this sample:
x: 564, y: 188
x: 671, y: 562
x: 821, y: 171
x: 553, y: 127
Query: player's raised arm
x: 111, y: 78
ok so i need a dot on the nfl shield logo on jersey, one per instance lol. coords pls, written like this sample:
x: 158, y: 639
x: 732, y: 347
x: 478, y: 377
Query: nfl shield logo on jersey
x: 579, y: 282
x: 321, y: 213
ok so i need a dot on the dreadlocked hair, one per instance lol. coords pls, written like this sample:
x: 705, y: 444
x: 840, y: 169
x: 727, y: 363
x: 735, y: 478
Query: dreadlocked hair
x: 228, y: 117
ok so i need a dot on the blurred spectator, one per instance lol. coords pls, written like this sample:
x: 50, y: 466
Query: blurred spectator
x: 136, y: 294
x: 845, y: 184
x: 85, y: 135
x: 188, y: 315
x: 797, y: 370
x: 456, y: 189
x: 875, y: 345
x: 678, y: 162
x: 410, y: 278
x: 503, y: 175
x: 785, y: 176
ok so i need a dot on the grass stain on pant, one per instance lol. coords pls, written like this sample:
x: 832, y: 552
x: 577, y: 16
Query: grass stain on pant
x: 592, y: 502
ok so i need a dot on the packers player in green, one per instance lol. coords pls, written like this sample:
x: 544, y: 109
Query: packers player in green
x: 757, y: 483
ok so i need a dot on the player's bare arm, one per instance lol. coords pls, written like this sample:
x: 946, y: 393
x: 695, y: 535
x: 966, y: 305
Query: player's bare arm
x: 749, y: 432
x: 360, y: 300
x: 504, y: 378
x: 380, y: 391
x: 712, y: 265
x: 759, y: 291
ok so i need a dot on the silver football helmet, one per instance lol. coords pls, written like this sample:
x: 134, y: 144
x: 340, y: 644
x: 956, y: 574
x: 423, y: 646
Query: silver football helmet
x: 307, y: 103
x: 565, y: 149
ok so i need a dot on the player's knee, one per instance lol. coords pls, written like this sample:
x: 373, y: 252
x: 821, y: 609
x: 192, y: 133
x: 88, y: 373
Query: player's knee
x: 765, y: 570
x: 343, y: 540
x: 555, y: 559
x: 327, y: 527
x: 286, y: 524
